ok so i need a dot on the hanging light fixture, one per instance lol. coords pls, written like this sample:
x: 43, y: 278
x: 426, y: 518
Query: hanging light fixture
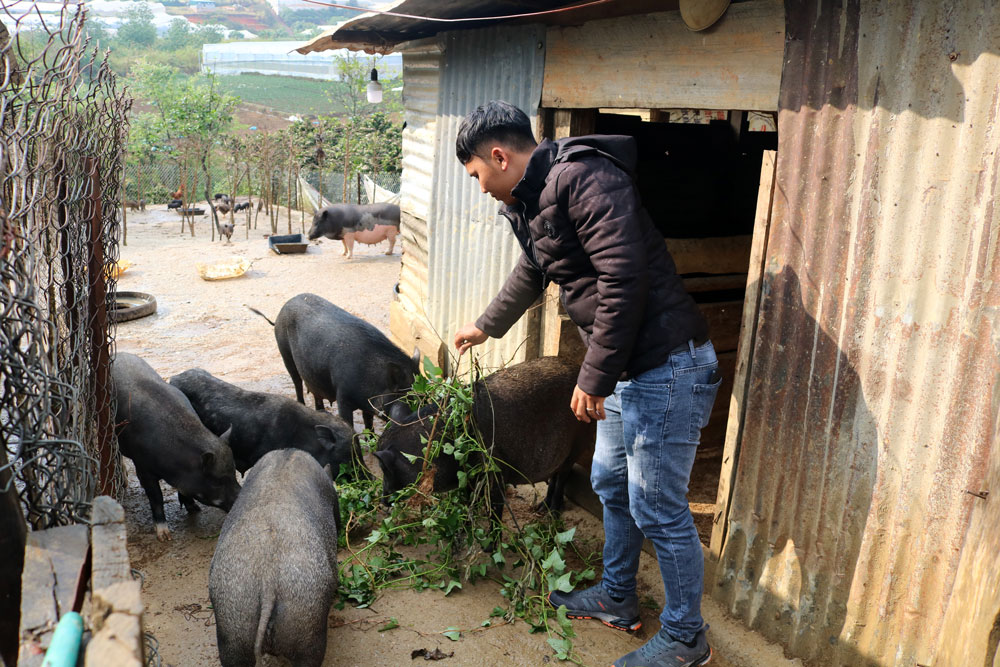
x: 374, y: 88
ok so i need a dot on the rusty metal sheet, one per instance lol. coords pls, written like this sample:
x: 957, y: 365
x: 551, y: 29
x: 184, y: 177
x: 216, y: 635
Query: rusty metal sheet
x: 873, y: 401
x: 653, y: 61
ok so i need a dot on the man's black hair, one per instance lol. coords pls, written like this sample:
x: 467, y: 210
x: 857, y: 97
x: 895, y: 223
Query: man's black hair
x: 495, y: 121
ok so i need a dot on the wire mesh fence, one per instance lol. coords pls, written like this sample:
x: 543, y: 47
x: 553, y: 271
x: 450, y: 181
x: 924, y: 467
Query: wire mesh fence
x: 154, y: 182
x: 63, y: 124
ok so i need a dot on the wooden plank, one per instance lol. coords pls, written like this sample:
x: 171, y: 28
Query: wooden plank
x: 717, y: 255
x: 409, y: 330
x: 744, y: 359
x: 724, y: 319
x: 732, y: 281
x: 52, y: 583
x: 652, y: 61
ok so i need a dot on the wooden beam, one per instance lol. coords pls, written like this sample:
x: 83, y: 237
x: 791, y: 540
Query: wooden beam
x: 653, y: 61
x: 410, y: 331
x: 744, y: 359
x: 715, y: 255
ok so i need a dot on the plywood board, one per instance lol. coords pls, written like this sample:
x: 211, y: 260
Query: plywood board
x: 653, y: 61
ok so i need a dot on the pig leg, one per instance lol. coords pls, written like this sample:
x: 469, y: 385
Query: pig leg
x: 189, y: 504
x: 293, y: 372
x: 319, y: 401
x: 554, y: 497
x: 151, y: 485
x: 345, y: 410
x: 392, y: 242
x: 344, y: 241
x: 349, y: 242
x: 369, y: 419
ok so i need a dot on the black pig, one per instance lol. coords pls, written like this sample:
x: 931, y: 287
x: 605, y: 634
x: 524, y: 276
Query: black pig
x: 262, y: 422
x: 364, y: 223
x: 523, y: 415
x: 342, y: 358
x: 161, y: 433
x: 274, y: 572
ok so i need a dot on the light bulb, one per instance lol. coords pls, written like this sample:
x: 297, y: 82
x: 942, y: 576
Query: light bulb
x: 374, y: 89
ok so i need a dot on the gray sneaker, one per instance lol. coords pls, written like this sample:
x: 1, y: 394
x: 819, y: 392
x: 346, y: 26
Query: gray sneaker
x: 665, y: 651
x: 595, y: 602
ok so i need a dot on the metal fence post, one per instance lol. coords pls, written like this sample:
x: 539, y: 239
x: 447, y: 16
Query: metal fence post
x: 100, y: 353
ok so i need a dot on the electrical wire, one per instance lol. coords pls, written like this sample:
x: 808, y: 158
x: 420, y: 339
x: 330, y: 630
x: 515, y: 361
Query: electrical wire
x: 459, y: 20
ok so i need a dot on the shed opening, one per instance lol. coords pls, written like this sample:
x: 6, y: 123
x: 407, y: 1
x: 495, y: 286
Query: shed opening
x: 699, y: 174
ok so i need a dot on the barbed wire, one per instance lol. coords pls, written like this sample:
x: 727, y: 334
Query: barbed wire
x: 63, y: 130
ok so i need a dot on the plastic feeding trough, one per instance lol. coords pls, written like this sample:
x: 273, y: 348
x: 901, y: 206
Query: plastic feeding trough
x: 288, y: 244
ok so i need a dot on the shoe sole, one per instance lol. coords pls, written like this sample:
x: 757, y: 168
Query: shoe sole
x: 707, y: 659
x: 607, y: 619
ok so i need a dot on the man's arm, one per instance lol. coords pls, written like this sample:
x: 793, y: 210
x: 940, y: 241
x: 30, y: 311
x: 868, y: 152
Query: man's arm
x: 603, y: 205
x: 522, y: 287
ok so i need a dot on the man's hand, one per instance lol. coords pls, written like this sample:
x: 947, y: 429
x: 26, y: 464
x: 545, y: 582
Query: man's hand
x: 586, y: 406
x: 468, y: 336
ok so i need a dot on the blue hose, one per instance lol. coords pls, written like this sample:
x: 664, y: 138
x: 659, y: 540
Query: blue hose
x: 65, y: 643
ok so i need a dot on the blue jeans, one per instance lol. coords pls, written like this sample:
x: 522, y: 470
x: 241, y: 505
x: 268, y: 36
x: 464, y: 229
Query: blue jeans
x: 642, y: 464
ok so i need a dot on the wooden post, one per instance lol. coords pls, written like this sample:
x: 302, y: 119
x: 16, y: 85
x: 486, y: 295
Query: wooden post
x: 13, y: 531
x: 100, y: 353
x: 558, y: 333
x: 744, y: 355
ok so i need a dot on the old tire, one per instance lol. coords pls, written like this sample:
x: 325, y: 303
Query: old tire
x: 132, y: 306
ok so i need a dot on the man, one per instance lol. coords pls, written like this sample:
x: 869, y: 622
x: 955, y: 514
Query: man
x: 649, y: 376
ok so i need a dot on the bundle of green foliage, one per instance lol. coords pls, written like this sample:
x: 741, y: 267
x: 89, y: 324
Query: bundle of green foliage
x: 442, y: 541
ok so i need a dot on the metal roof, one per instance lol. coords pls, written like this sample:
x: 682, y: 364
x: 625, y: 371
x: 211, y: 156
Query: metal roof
x: 379, y: 33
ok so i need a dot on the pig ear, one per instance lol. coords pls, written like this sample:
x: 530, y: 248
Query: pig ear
x: 326, y: 434
x: 416, y: 359
x: 208, y: 459
x: 328, y: 469
x: 385, y: 457
x: 225, y: 436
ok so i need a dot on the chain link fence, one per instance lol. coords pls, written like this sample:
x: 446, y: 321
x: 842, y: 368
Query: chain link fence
x: 63, y: 124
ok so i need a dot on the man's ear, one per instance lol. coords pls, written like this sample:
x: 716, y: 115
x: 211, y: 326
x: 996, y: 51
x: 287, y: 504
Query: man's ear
x: 500, y: 155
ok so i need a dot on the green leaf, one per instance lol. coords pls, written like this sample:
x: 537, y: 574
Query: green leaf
x: 429, y: 522
x: 452, y: 633
x: 410, y: 457
x: 430, y: 369
x: 500, y: 611
x: 565, y: 625
x: 566, y: 536
x: 391, y: 625
x: 451, y: 585
x: 562, y: 647
x: 554, y: 563
x: 562, y: 583
x: 485, y: 624
x: 463, y: 479
x: 499, y: 559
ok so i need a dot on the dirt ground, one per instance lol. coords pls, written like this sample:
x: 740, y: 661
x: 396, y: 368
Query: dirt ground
x: 207, y: 324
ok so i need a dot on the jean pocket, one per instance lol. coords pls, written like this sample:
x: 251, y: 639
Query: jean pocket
x: 702, y: 402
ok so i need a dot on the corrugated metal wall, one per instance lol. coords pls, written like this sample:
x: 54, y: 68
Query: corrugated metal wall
x: 421, y: 91
x: 471, y: 248
x: 854, y: 534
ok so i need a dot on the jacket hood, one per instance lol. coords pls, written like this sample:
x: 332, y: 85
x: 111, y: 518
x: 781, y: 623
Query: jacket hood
x: 620, y: 149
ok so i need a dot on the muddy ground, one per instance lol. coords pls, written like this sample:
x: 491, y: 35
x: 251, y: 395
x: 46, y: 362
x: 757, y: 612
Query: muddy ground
x: 207, y: 324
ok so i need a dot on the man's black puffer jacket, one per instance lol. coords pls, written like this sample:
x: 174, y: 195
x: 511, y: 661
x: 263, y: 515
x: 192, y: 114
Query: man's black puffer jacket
x: 582, y: 226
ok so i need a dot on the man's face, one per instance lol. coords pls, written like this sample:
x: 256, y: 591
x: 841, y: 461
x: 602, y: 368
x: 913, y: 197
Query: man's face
x: 496, y: 173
